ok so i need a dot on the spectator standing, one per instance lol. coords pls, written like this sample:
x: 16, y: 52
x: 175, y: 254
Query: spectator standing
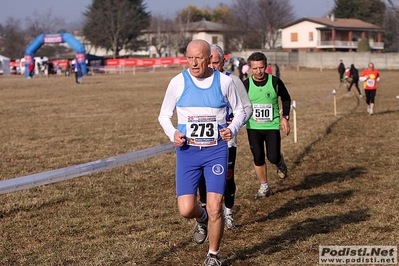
x: 269, y: 69
x: 39, y: 68
x: 277, y: 70
x: 200, y: 96
x: 370, y: 76
x: 73, y: 65
x: 231, y: 65
x: 78, y: 72
x: 14, y: 70
x: 240, y: 65
x: 50, y: 68
x: 341, y: 70
x: 217, y: 62
x: 68, y: 69
x: 245, y: 69
x: 58, y: 68
x: 263, y: 128
x: 31, y: 69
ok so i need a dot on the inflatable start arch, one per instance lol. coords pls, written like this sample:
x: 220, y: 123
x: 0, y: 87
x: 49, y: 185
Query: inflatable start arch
x: 56, y: 38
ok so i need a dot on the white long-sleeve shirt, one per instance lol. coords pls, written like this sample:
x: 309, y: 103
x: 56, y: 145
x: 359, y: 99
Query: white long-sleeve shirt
x: 175, y: 89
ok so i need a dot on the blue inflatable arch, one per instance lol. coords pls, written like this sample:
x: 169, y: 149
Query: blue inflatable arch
x: 56, y: 38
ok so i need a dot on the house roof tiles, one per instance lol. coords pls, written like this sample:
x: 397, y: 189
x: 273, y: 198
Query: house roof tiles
x: 205, y: 26
x: 339, y: 23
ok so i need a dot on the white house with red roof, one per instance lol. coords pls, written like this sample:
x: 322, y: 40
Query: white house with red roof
x: 330, y: 34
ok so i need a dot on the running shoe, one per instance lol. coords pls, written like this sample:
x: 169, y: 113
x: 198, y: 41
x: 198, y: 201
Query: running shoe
x: 368, y: 108
x: 229, y: 222
x: 200, y: 231
x: 212, y: 260
x: 263, y: 192
x: 282, y: 169
x: 371, y: 112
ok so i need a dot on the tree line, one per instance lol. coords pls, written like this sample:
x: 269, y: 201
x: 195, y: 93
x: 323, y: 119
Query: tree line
x: 122, y: 24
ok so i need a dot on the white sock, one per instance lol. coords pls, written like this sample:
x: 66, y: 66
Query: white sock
x: 227, y: 211
x: 216, y: 253
x: 265, y: 184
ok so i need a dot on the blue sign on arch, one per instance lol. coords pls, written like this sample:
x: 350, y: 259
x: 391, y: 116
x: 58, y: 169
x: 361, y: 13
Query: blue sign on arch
x: 56, y: 38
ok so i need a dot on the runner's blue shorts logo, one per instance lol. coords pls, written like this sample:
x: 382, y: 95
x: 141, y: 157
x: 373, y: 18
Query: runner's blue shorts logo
x: 218, y: 169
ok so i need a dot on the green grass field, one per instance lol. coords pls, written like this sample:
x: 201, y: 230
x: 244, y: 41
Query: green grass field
x: 341, y: 190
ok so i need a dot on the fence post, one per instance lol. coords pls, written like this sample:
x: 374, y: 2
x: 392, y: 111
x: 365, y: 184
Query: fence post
x: 335, y: 102
x: 293, y: 106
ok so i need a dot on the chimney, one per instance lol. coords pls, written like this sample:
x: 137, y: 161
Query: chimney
x: 332, y: 17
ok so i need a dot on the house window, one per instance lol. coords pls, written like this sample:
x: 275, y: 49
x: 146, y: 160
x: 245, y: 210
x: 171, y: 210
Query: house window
x: 310, y: 36
x: 326, y: 35
x: 214, y: 39
x: 294, y: 37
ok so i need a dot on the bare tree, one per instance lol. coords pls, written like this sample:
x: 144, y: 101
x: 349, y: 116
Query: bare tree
x: 161, y: 33
x: 391, y: 26
x: 392, y: 4
x: 272, y: 15
x: 43, y: 23
x: 181, y: 37
x: 256, y: 23
x: 14, y: 41
x: 243, y: 24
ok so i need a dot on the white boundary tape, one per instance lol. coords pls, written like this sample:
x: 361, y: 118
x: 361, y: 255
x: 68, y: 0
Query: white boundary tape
x: 29, y: 181
x: 303, y: 104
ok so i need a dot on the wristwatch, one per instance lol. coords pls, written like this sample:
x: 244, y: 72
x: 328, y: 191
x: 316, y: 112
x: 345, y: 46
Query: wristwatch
x: 287, y: 117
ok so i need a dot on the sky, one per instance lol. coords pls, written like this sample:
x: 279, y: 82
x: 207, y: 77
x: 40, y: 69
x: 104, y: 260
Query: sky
x: 71, y: 10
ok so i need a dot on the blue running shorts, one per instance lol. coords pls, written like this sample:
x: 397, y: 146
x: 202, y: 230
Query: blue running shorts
x: 192, y: 160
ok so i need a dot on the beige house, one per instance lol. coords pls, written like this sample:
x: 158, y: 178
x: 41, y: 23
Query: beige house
x: 211, y: 32
x: 330, y: 34
x: 171, y: 40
